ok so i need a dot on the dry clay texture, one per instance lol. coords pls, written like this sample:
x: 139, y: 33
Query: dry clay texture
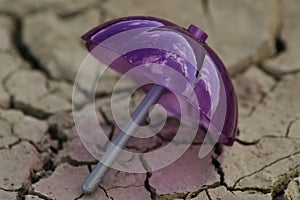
x: 42, y: 157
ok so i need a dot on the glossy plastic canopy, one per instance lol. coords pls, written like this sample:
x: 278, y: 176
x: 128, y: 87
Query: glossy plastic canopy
x: 159, y: 45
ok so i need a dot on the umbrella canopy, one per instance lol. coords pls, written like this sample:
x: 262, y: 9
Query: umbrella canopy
x: 179, y: 60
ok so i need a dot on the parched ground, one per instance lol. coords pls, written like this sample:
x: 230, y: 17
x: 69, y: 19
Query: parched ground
x: 41, y: 156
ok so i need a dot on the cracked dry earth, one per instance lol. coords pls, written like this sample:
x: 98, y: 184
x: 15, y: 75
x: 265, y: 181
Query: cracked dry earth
x: 41, y: 155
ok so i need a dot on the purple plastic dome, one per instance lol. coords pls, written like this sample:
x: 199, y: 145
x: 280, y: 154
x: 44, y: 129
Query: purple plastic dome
x: 157, y: 44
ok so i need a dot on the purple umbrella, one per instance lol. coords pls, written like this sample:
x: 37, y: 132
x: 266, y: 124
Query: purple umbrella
x: 168, y: 54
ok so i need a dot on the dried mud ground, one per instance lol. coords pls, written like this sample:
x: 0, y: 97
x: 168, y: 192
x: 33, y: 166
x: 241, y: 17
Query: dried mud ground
x: 41, y: 156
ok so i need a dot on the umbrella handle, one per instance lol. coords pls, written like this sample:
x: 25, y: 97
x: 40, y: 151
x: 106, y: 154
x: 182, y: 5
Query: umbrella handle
x: 114, y: 150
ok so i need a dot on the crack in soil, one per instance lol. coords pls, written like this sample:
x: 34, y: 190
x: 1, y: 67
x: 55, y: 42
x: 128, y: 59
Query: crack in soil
x: 219, y: 169
x: 8, y: 190
x: 123, y: 187
x: 257, y: 189
x: 48, y: 164
x: 3, y: 83
x: 105, y: 192
x: 247, y: 143
x: 20, y: 192
x: 21, y: 47
x: 184, y: 195
x: 279, y: 186
x: 264, y: 95
x: 290, y: 126
x: 208, y: 195
x: 275, y: 76
x: 255, y: 142
x: 25, y: 107
x: 147, y: 185
x: 188, y: 195
x: 109, y: 123
x: 273, y: 47
x: 40, y: 195
x: 264, y: 167
x: 79, y: 197
x: 145, y: 149
x: 76, y: 163
x: 11, y: 145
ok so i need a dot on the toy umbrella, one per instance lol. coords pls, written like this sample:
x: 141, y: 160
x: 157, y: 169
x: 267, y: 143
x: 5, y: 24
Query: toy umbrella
x: 157, y: 43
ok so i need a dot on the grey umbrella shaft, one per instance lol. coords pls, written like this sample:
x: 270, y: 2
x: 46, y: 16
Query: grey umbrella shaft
x: 121, y: 141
